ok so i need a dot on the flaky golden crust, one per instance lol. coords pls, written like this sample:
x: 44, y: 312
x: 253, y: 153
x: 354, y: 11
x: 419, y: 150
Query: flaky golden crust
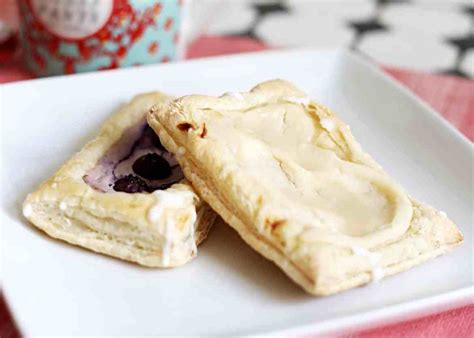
x: 319, y: 266
x: 117, y: 224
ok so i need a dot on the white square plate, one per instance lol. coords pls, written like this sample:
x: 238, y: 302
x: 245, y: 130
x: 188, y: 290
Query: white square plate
x: 55, y: 288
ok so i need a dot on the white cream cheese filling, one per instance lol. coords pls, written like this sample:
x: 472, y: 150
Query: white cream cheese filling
x: 286, y: 150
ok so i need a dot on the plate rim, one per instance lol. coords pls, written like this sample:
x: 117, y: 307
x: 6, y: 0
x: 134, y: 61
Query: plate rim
x: 392, y: 314
x: 399, y: 86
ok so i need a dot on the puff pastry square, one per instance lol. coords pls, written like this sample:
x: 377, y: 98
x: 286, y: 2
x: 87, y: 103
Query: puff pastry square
x: 288, y: 175
x: 94, y: 202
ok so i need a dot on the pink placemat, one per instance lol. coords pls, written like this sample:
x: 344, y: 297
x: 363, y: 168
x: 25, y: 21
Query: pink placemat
x: 452, y: 97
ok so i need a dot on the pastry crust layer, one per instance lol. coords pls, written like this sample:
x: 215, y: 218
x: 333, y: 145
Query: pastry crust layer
x: 160, y: 229
x: 214, y: 138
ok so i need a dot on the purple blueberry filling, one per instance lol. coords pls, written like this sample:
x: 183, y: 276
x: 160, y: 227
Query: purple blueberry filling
x: 130, y: 184
x: 137, y: 162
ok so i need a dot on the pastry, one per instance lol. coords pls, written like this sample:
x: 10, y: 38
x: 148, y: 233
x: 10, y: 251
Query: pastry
x: 288, y: 175
x: 124, y: 195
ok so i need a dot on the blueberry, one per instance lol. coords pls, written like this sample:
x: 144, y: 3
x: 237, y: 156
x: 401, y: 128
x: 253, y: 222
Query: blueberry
x: 151, y: 135
x: 152, y: 167
x: 162, y: 186
x: 130, y: 184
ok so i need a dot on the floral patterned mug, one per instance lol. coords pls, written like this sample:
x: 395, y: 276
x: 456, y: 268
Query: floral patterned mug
x: 70, y: 36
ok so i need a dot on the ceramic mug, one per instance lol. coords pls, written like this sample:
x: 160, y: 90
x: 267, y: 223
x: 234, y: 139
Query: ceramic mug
x: 71, y: 36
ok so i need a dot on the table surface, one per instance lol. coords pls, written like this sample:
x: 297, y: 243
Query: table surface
x: 452, y: 96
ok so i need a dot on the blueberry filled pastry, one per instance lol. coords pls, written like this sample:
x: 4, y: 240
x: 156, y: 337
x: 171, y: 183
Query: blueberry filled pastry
x: 124, y: 195
x: 290, y: 178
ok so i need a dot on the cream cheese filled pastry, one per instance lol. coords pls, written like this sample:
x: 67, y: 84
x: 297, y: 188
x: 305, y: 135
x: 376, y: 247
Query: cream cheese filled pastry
x: 288, y: 175
x: 124, y: 195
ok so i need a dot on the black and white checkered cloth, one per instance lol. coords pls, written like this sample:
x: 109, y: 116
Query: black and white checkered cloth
x: 430, y: 35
